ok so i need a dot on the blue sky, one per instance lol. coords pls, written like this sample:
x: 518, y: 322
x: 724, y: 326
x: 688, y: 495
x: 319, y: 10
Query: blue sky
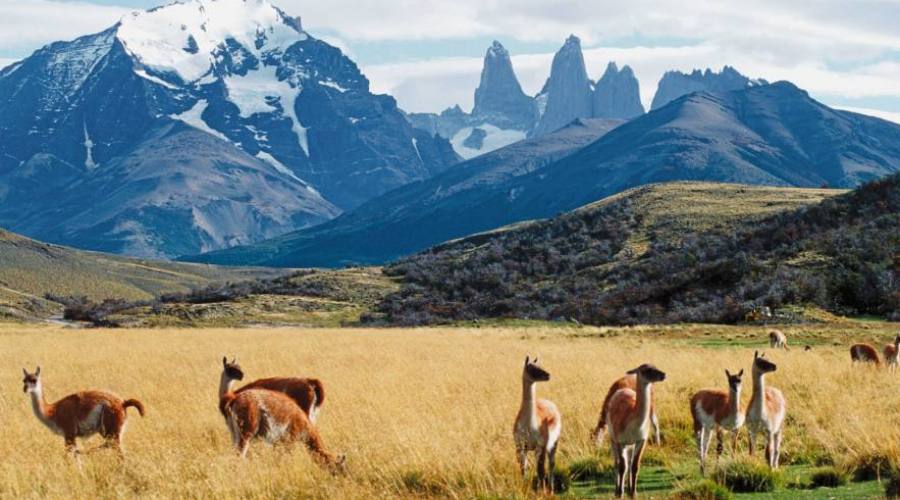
x: 428, y: 53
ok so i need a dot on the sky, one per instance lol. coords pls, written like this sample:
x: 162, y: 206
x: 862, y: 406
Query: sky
x: 428, y: 53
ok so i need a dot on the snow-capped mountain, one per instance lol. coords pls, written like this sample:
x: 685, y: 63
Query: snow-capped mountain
x: 279, y: 131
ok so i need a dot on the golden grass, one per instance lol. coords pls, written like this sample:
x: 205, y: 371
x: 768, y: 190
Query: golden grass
x: 418, y: 412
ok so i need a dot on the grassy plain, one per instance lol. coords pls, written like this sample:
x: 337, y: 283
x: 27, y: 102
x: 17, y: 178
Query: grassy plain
x: 426, y: 412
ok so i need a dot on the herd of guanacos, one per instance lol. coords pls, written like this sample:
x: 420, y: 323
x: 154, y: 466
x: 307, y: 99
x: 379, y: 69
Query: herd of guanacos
x: 284, y: 409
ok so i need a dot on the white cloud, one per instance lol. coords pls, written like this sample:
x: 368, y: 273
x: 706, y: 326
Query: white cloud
x: 884, y: 115
x: 26, y: 25
x: 436, y: 84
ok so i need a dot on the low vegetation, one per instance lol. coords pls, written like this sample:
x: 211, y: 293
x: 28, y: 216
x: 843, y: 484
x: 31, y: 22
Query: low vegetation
x: 305, y: 297
x: 428, y: 413
x: 31, y: 271
x: 630, y: 260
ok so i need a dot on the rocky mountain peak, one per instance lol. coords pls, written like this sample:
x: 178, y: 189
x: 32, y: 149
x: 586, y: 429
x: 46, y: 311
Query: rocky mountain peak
x: 567, y: 93
x: 617, y: 94
x: 499, y: 98
x: 675, y: 84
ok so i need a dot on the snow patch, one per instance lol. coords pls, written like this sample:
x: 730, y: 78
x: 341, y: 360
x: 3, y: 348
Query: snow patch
x: 268, y: 158
x: 329, y: 83
x: 194, y: 118
x: 259, y: 91
x: 159, y: 81
x: 496, y: 138
x: 160, y: 38
x: 89, y: 151
x: 415, y: 143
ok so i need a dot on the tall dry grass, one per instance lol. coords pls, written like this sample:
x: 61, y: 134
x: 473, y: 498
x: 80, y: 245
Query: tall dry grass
x: 418, y: 412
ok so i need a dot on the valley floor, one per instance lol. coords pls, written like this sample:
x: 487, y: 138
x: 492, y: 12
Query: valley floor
x: 429, y: 412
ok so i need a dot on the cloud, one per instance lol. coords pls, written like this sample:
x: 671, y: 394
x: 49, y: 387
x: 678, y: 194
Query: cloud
x: 436, y: 84
x: 884, y: 115
x: 28, y: 24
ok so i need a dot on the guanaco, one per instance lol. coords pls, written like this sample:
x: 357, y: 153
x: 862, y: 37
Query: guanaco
x: 82, y: 414
x: 269, y: 415
x: 626, y: 382
x: 307, y: 393
x: 714, y: 409
x: 778, y: 340
x: 628, y: 423
x: 538, y: 425
x: 892, y: 354
x: 864, y: 353
x: 767, y: 411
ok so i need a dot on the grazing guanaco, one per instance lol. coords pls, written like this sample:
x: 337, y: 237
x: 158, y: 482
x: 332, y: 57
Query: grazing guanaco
x: 864, y: 353
x: 715, y: 409
x: 307, y: 393
x: 767, y: 411
x: 81, y: 414
x: 268, y: 415
x: 626, y: 382
x: 538, y: 425
x: 778, y: 340
x: 628, y: 424
x: 892, y: 354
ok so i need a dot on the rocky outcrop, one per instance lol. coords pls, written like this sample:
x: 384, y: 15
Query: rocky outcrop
x: 617, y: 95
x: 499, y: 99
x: 567, y: 93
x: 675, y: 84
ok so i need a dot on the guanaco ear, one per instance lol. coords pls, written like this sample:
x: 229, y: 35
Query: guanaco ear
x: 37, y: 372
x: 727, y: 373
x: 755, y: 355
x: 535, y: 361
x: 741, y: 373
x: 224, y: 360
x: 25, y: 372
x: 526, y: 360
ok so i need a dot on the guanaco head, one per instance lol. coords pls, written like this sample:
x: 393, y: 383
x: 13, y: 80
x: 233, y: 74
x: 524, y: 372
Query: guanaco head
x: 231, y: 369
x: 32, y: 381
x: 648, y: 373
x: 761, y: 364
x: 897, y: 341
x: 532, y: 372
x: 734, y: 380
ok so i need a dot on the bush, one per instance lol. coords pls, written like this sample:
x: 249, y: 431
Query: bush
x: 748, y: 476
x: 703, y: 490
x: 870, y: 467
x: 828, y: 477
x: 892, y: 487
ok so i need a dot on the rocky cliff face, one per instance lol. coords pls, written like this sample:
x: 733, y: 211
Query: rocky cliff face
x: 292, y: 109
x: 675, y: 84
x: 499, y: 99
x: 617, y: 95
x: 567, y: 94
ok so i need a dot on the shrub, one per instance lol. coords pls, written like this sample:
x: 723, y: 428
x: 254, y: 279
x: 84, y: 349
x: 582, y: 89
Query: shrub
x: 748, y: 476
x: 870, y: 467
x: 892, y: 486
x: 828, y: 477
x: 703, y: 490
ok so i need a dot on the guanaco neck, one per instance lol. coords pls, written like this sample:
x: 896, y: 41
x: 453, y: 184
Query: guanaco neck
x: 225, y: 383
x: 40, y: 406
x: 643, y: 399
x: 759, y: 390
x: 735, y: 402
x: 528, y: 409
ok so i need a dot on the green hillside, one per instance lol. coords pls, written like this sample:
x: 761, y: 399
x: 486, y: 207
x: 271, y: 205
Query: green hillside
x: 679, y: 252
x: 30, y: 270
